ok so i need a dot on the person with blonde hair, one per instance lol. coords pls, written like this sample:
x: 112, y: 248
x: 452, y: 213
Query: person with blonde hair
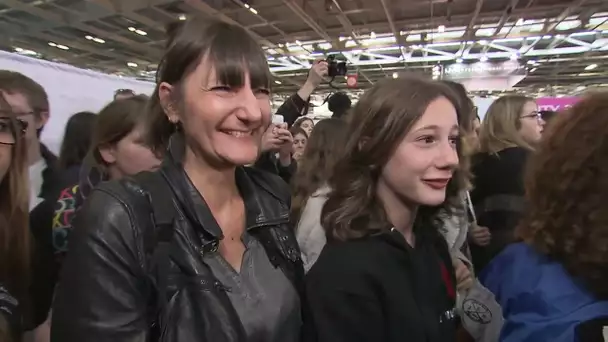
x: 553, y: 284
x: 509, y: 132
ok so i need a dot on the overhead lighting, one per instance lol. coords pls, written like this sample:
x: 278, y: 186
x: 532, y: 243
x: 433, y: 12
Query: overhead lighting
x: 580, y: 88
x: 484, y: 58
x: 395, y: 75
x: 59, y: 46
x: 138, y: 31
x: 532, y: 62
x: 590, y: 67
x: 483, y: 42
x: 95, y: 39
x: 441, y: 28
x: 459, y: 60
x: 519, y: 22
x: 533, y: 70
x: 298, y: 42
x: 372, y: 35
x: 132, y: 65
x: 325, y: 46
x: 182, y: 17
x: 277, y: 82
x: 514, y: 56
x: 253, y: 10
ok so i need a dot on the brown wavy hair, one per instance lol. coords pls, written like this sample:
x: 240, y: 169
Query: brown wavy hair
x: 317, y: 162
x: 15, y: 253
x: 381, y: 118
x: 567, y: 190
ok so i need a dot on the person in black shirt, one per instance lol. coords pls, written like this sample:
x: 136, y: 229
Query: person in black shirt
x: 386, y: 273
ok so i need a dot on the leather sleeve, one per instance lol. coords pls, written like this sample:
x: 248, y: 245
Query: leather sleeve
x: 101, y: 295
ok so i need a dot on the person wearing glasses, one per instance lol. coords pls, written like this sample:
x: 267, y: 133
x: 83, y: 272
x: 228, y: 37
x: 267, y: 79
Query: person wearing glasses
x: 14, y: 233
x: 509, y: 132
x: 29, y: 102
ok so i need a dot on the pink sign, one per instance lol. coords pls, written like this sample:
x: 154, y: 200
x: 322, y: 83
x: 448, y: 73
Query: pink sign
x: 555, y: 103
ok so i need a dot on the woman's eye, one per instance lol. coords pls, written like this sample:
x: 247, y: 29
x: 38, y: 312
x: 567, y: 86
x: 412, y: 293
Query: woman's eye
x: 262, y: 91
x: 427, y: 139
x: 4, y: 127
x: 454, y: 140
x: 221, y: 88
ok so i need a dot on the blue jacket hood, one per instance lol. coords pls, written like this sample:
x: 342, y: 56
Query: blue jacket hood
x: 540, y: 300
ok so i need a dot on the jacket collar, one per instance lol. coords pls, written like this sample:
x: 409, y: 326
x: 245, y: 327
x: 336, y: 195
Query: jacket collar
x: 262, y: 204
x: 49, y: 174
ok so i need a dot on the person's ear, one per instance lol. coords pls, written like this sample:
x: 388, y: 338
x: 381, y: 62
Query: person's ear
x: 166, y: 95
x: 41, y: 119
x: 108, y: 154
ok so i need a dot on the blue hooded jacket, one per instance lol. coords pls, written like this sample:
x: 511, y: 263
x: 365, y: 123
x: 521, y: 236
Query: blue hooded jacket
x: 540, y: 301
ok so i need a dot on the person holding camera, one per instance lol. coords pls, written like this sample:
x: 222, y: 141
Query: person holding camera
x: 277, y: 143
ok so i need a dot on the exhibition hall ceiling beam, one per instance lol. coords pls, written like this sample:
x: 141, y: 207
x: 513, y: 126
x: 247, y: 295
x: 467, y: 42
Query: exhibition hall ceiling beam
x: 46, y: 15
x: 391, y: 23
x: 424, y: 23
x: 299, y: 11
x: 203, y: 7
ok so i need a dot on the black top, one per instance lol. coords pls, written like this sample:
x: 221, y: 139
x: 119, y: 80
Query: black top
x: 379, y: 289
x: 112, y: 290
x: 498, y: 198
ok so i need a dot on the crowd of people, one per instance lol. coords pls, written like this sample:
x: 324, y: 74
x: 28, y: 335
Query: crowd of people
x: 193, y: 215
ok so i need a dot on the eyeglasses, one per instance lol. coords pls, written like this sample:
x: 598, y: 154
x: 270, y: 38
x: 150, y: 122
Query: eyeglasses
x: 11, y: 129
x: 538, y: 116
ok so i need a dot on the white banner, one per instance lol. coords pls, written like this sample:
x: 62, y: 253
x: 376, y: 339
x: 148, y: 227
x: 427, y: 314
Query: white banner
x: 70, y: 90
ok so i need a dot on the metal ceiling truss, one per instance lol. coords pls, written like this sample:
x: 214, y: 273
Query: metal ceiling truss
x: 524, y: 47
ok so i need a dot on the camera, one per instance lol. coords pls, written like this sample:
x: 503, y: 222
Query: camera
x: 335, y: 68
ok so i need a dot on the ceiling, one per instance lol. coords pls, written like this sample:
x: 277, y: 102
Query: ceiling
x: 557, y: 39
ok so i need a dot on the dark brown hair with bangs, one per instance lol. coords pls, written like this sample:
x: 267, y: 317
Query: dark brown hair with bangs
x: 231, y: 51
x: 381, y: 118
x: 567, y: 191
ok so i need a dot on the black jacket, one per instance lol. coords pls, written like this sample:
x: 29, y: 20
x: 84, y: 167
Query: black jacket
x: 108, y: 288
x: 41, y: 218
x: 498, y: 199
x: 379, y: 289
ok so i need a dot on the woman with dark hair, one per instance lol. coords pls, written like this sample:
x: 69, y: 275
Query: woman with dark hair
x: 115, y: 150
x: 310, y: 186
x: 14, y: 232
x: 75, y: 144
x: 300, y: 140
x: 201, y: 249
x: 386, y: 273
x: 553, y: 285
x: 339, y: 104
x: 76, y: 140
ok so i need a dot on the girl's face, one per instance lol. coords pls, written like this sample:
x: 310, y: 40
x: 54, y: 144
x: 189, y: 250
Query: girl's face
x: 307, y: 126
x: 129, y: 156
x: 423, y: 163
x: 531, y: 123
x: 299, y: 143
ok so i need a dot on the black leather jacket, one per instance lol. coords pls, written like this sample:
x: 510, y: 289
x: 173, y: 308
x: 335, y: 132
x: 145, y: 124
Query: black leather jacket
x: 107, y: 293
